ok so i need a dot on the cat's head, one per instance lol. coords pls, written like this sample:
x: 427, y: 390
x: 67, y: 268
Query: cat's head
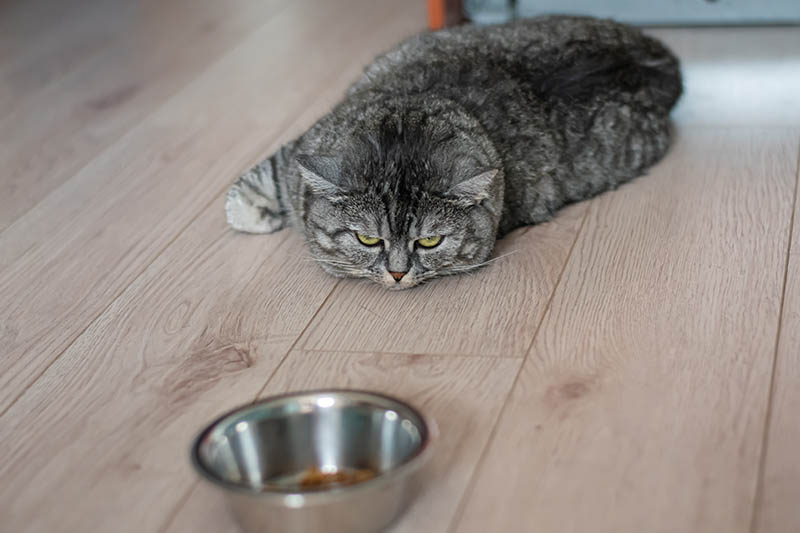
x: 400, y: 211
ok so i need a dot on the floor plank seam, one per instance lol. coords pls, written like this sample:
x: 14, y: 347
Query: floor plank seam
x: 470, y: 484
x: 401, y: 353
x: 137, y: 123
x: 300, y: 336
x: 759, y: 492
x: 181, y: 502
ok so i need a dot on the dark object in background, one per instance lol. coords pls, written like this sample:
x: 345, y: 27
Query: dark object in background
x: 677, y: 12
x: 443, y: 13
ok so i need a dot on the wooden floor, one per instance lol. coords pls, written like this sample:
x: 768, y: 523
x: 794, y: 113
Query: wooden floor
x: 632, y: 366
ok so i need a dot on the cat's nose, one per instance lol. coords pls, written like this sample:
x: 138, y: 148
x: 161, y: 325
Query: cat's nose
x: 397, y: 275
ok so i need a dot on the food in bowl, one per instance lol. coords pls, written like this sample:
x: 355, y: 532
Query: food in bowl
x: 314, y: 478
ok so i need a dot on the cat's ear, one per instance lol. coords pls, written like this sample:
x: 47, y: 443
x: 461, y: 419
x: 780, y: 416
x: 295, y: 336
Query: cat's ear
x: 320, y: 173
x: 475, y: 189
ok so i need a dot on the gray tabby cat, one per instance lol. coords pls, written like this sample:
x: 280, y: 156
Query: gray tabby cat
x: 454, y: 138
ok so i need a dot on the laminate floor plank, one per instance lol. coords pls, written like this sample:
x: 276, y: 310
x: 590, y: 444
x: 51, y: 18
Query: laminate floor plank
x: 780, y: 483
x: 157, y: 49
x: 67, y: 35
x: 642, y: 403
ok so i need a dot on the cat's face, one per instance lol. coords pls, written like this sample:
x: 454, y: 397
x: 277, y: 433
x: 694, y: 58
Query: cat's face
x: 397, y: 234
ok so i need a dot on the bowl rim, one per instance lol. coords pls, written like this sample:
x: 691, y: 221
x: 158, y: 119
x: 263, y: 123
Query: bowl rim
x: 320, y: 496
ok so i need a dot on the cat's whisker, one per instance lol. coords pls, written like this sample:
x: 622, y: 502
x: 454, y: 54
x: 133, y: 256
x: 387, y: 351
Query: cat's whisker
x: 331, y: 262
x: 470, y: 268
x: 498, y: 258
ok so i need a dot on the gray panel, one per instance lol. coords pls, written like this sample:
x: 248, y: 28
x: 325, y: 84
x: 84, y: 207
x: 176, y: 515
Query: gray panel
x: 641, y: 12
x: 489, y: 11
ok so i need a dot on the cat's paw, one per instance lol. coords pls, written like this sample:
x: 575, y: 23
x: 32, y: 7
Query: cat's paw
x: 252, y: 205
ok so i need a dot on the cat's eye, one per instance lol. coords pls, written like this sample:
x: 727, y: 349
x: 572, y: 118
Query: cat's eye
x: 429, y: 242
x: 367, y: 241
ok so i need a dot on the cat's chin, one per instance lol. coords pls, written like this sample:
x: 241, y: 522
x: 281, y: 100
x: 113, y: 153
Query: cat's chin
x: 397, y: 286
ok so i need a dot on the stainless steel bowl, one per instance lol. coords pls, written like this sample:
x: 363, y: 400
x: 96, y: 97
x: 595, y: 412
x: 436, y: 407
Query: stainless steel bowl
x: 257, y: 455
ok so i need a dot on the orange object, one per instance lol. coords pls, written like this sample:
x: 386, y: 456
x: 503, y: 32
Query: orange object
x: 436, y: 14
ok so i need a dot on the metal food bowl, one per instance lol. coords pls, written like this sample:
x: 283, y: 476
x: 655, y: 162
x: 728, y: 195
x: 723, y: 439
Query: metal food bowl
x: 321, y: 461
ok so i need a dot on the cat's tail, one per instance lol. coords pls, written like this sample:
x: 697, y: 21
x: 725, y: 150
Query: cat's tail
x: 605, y: 57
x: 254, y: 203
x: 655, y: 79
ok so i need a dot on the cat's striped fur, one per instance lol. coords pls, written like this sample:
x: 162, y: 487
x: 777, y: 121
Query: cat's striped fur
x: 467, y: 133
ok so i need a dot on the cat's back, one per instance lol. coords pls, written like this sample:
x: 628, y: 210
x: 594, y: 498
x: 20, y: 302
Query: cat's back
x: 479, y: 55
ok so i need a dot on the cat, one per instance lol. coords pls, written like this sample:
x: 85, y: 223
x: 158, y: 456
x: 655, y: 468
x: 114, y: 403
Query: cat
x: 454, y: 138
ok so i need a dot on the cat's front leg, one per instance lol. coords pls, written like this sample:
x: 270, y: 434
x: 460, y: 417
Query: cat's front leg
x: 253, y: 204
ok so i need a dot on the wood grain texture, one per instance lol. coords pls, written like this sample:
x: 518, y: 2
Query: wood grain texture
x: 642, y: 404
x: 63, y: 41
x: 64, y: 261
x: 131, y: 315
x: 156, y: 50
x: 494, y: 312
x: 201, y: 330
x: 746, y: 77
x: 462, y: 394
x: 776, y: 508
